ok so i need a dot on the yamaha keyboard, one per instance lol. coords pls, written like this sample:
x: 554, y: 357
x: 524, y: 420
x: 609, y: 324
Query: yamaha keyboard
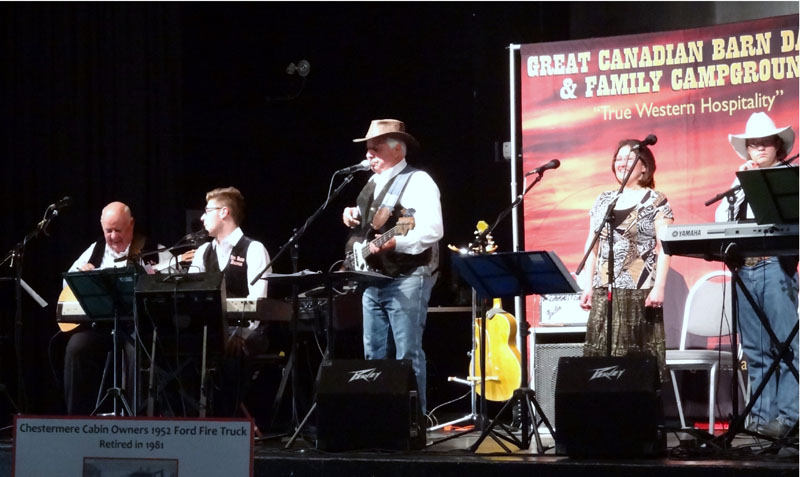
x: 716, y: 240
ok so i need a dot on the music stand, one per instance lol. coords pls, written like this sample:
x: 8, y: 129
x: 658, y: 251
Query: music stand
x: 772, y: 194
x: 192, y: 305
x: 307, y: 279
x: 107, y: 295
x: 512, y: 274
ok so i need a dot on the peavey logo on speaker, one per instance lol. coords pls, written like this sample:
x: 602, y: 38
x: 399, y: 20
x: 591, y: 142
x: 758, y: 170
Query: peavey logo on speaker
x: 611, y: 372
x: 364, y: 374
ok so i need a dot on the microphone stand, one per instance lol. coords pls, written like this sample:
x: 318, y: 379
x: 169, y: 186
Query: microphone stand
x: 292, y: 244
x: 524, y: 396
x: 15, y: 257
x: 607, y: 221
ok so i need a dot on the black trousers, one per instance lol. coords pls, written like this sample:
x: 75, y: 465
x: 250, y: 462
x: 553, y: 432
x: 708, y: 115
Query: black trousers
x: 88, y: 350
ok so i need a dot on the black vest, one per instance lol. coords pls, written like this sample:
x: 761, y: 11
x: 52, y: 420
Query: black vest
x: 391, y: 263
x: 235, y: 270
x: 139, y: 242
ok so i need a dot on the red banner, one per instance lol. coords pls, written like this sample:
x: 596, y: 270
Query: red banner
x: 691, y: 88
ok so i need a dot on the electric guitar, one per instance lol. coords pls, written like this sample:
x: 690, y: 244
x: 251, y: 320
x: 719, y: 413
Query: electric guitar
x: 356, y: 258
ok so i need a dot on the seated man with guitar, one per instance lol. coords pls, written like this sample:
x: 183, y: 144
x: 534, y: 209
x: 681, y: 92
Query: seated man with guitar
x: 89, y: 345
x: 399, y: 218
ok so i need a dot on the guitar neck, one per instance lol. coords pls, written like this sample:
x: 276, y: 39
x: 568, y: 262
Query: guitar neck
x: 380, y: 241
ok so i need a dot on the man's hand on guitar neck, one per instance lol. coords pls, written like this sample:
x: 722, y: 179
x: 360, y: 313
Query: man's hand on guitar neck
x: 389, y: 245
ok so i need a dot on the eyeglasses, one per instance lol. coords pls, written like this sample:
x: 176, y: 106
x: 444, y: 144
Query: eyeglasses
x: 761, y: 142
x: 209, y: 209
x: 624, y: 159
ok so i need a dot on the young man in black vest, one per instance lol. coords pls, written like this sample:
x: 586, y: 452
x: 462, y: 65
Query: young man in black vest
x: 395, y: 312
x: 239, y: 258
x: 88, y: 346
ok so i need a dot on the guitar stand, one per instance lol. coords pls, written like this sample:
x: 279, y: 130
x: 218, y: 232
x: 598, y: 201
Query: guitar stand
x: 526, y: 399
x: 514, y: 274
x: 477, y: 419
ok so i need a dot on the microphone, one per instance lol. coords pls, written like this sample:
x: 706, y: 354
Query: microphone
x: 554, y: 164
x: 648, y: 141
x: 201, y: 236
x: 65, y: 202
x: 361, y: 166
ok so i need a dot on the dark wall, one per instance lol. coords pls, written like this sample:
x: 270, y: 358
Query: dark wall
x: 157, y: 103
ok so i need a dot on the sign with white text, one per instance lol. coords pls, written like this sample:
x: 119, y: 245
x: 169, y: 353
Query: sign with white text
x: 69, y: 446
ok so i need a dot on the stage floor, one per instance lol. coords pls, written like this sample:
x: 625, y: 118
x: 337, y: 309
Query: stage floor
x: 448, y: 453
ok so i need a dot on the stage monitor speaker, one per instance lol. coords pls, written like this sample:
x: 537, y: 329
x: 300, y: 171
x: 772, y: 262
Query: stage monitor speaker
x: 545, y: 359
x: 368, y: 405
x: 609, y: 407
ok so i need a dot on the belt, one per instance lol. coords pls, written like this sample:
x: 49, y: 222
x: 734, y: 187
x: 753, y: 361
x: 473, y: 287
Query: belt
x: 753, y: 261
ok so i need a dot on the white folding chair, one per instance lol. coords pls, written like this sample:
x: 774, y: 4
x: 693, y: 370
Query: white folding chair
x: 706, y: 313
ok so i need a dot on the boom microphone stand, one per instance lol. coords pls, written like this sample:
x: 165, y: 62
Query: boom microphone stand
x: 608, y: 222
x: 292, y: 243
x: 15, y: 257
x: 524, y: 396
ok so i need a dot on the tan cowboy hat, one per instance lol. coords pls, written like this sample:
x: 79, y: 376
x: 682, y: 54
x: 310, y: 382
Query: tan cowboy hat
x: 391, y: 128
x: 761, y: 125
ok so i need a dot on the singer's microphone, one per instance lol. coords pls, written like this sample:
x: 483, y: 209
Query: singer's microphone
x: 554, y: 164
x: 196, y: 237
x: 65, y: 202
x: 648, y: 141
x: 361, y: 166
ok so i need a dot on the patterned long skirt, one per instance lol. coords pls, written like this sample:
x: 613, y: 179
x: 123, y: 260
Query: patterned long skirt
x: 636, y: 330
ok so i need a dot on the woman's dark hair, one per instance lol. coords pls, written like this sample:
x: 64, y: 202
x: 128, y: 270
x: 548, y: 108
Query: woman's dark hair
x: 645, y: 156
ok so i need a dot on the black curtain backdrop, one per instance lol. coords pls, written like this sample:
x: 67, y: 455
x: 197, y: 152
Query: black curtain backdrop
x: 92, y: 110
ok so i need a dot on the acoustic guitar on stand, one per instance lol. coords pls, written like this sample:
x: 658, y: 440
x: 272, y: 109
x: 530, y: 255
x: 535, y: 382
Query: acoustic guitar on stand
x: 503, y: 368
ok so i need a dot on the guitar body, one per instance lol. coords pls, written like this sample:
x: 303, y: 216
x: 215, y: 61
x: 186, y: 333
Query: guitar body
x: 66, y: 299
x: 356, y: 257
x: 503, y: 368
x: 359, y: 258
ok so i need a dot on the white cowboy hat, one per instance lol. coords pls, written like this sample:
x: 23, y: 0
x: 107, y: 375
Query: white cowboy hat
x: 391, y: 128
x: 760, y: 125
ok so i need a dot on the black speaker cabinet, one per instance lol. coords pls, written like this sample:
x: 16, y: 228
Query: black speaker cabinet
x: 608, y: 407
x: 368, y: 405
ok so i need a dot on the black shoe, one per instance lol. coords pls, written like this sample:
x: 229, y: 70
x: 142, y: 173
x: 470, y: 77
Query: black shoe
x: 775, y: 428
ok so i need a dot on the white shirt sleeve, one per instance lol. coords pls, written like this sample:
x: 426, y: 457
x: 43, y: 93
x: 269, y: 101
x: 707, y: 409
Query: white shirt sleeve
x: 257, y: 259
x: 422, y: 195
x: 197, y: 265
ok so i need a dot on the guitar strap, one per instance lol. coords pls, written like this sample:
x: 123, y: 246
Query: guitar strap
x: 391, y: 197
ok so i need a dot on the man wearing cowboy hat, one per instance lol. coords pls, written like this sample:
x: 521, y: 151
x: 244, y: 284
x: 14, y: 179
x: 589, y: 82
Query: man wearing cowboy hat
x: 773, y: 283
x: 395, y: 312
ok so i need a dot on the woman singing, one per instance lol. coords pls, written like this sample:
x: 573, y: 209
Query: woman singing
x: 640, y: 271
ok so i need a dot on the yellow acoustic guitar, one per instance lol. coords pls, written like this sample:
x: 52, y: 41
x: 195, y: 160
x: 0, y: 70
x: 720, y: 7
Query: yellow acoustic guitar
x: 503, y: 369
x: 67, y: 307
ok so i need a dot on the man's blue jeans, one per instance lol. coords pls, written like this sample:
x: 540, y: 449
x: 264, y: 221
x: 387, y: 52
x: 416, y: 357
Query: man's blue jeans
x: 394, y: 320
x: 775, y: 293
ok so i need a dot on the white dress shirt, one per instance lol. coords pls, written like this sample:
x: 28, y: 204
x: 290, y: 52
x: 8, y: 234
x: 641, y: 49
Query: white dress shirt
x: 257, y: 258
x: 421, y: 194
